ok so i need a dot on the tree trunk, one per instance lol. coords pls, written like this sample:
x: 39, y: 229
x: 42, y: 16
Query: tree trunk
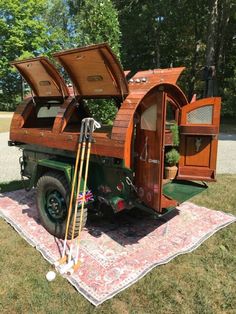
x: 212, y: 35
x: 225, y: 7
x: 211, y: 86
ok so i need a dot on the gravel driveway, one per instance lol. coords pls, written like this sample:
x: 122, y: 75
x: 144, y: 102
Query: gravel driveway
x: 10, y: 170
x: 9, y: 156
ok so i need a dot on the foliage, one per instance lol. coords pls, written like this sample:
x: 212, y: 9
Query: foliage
x: 166, y: 33
x: 103, y: 111
x: 175, y: 134
x: 98, y: 22
x: 23, y: 34
x: 59, y: 23
x: 172, y: 157
x: 29, y: 28
x: 148, y: 34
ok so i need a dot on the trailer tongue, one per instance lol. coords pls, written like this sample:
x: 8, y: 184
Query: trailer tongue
x: 126, y: 167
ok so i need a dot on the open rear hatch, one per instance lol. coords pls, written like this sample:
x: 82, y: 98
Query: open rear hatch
x: 42, y: 77
x: 94, y: 71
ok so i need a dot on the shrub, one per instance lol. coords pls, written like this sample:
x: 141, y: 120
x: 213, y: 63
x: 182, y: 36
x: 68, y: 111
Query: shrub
x: 172, y: 157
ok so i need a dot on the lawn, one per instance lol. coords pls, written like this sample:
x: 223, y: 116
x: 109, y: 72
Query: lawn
x: 203, y: 281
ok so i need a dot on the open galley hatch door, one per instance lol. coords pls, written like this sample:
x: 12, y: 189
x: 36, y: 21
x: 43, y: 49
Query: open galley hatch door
x: 42, y: 77
x: 94, y: 71
x: 199, y: 129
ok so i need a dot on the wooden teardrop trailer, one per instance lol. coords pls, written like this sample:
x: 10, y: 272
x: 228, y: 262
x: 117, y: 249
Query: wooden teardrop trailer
x: 128, y: 158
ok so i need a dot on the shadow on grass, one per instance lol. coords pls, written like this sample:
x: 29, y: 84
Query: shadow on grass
x: 126, y: 228
x: 12, y: 186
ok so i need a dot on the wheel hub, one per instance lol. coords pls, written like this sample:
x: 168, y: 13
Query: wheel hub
x: 56, y: 205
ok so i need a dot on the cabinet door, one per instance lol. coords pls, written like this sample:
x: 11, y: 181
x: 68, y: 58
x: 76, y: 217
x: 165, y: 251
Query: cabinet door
x: 199, y: 129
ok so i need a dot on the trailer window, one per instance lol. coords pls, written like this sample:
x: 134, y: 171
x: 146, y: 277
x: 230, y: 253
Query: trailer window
x: 170, y: 113
x: 48, y: 111
x: 202, y: 115
x: 43, y: 115
x: 149, y: 119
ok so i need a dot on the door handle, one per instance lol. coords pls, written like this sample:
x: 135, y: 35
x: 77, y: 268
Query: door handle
x: 153, y: 161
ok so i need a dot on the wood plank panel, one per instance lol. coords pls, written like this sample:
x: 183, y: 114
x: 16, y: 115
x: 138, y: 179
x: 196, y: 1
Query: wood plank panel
x: 198, y: 142
x: 127, y: 105
x: 119, y: 137
x: 191, y: 173
x: 198, y: 158
x: 119, y: 130
x: 121, y: 124
x: 123, y: 117
x: 198, y: 129
x: 67, y: 141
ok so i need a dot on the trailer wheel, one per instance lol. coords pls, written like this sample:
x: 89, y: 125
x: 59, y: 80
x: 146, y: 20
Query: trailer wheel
x: 52, y: 200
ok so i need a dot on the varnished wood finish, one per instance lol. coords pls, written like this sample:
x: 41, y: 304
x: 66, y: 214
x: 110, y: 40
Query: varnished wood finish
x: 159, y: 76
x: 166, y: 202
x: 62, y: 117
x: 199, y: 163
x: 95, y: 71
x: 168, y: 138
x: 199, y: 129
x: 149, y: 147
x: 21, y: 114
x: 42, y: 76
x: 103, y: 146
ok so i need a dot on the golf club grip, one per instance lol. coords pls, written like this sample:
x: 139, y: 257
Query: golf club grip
x: 81, y: 136
x: 91, y: 128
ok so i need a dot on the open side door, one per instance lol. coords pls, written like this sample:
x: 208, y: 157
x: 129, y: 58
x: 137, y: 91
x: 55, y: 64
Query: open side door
x: 42, y: 77
x: 95, y: 71
x: 149, y: 149
x: 199, y: 129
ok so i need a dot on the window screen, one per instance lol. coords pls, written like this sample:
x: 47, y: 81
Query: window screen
x: 202, y: 115
x: 149, y: 119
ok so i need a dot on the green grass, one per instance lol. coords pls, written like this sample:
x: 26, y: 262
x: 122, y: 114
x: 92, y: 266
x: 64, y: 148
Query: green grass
x: 203, y: 281
x: 12, y: 186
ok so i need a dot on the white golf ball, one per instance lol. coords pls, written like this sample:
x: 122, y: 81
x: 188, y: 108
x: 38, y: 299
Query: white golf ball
x: 51, y: 275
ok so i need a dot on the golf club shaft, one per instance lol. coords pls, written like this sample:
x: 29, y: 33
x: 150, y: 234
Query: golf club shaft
x: 77, y: 198
x: 91, y: 128
x: 71, y: 198
x: 83, y: 200
x: 73, y: 186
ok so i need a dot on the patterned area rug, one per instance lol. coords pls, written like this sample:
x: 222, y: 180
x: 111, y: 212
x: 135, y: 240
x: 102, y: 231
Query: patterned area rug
x: 116, y: 251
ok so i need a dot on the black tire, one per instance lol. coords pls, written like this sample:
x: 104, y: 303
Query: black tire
x: 52, y: 198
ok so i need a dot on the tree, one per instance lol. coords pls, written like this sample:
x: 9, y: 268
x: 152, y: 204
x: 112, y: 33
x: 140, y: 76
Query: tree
x: 23, y: 34
x: 193, y: 33
x: 97, y: 22
x: 221, y: 50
